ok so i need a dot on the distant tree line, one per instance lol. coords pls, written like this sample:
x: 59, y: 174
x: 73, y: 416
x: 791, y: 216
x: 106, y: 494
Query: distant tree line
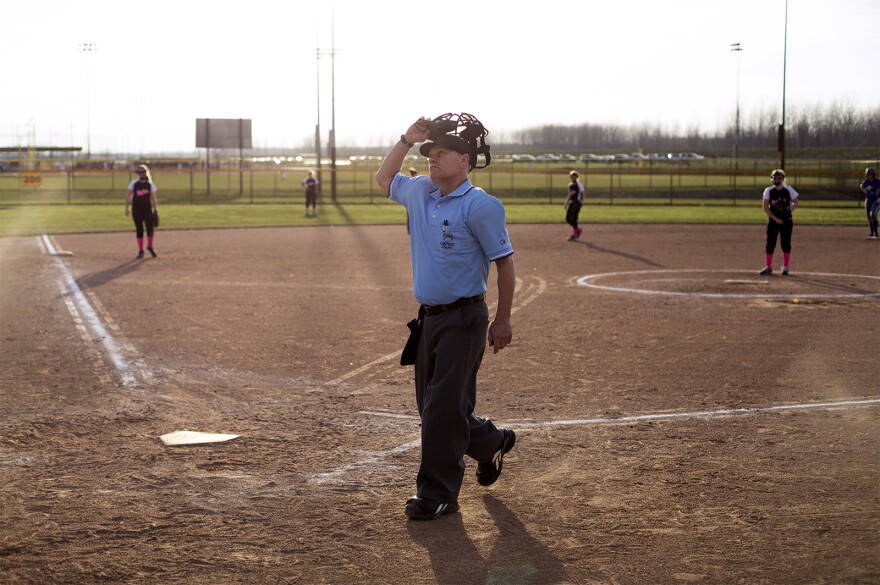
x: 835, y: 125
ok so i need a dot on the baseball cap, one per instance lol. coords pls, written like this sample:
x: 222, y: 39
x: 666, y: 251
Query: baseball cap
x: 451, y: 142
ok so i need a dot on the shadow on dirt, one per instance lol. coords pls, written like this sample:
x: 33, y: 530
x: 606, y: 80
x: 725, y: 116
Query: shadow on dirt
x: 517, y: 557
x: 624, y: 255
x: 96, y: 279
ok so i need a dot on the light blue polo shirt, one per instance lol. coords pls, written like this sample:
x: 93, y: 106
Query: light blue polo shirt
x: 452, y: 239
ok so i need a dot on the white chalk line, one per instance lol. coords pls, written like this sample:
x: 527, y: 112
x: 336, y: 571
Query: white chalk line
x: 375, y: 458
x: 79, y: 305
x: 586, y: 281
x: 52, y: 249
x: 541, y: 286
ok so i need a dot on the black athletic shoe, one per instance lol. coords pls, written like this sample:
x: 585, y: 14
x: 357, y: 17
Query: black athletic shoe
x: 140, y: 254
x: 489, y: 471
x: 766, y: 272
x: 424, y: 509
x: 785, y: 271
x: 153, y: 252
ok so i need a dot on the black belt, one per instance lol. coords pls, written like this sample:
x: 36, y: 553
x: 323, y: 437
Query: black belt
x: 437, y: 309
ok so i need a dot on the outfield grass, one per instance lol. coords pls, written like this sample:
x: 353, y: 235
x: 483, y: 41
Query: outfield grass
x: 85, y: 218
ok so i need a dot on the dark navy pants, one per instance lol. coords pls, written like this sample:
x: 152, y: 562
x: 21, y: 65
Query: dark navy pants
x: 142, y: 214
x: 571, y: 214
x: 449, y: 356
x: 782, y: 231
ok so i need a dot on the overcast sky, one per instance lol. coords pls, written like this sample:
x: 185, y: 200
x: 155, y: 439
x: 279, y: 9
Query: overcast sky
x: 160, y: 65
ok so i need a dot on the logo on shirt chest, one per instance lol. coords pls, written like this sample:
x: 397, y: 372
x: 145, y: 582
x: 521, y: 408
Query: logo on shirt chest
x: 447, y: 242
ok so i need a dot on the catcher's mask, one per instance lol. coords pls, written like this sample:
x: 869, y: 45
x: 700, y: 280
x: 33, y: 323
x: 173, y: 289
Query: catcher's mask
x: 462, y: 133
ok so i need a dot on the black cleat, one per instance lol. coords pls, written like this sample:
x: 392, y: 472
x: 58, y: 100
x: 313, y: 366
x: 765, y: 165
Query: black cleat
x: 766, y: 272
x: 153, y: 252
x: 424, y: 509
x: 140, y: 254
x: 785, y: 271
x: 489, y: 471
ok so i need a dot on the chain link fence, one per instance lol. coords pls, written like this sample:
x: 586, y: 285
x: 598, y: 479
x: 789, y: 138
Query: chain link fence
x: 714, y: 181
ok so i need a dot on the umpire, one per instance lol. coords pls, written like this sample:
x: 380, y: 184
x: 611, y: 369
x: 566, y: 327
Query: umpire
x: 456, y: 231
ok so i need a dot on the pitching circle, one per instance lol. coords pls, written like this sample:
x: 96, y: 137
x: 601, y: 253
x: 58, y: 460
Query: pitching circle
x: 590, y: 281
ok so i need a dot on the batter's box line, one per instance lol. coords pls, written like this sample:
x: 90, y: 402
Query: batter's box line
x: 376, y: 458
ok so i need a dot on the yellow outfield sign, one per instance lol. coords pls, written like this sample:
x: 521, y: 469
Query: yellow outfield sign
x: 31, y: 179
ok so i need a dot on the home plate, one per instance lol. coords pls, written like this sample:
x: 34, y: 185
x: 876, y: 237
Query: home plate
x: 194, y: 438
x: 735, y: 281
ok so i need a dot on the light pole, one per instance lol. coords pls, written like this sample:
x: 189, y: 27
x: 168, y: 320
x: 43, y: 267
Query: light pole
x: 88, y: 48
x: 318, y: 125
x: 781, y: 137
x: 332, y: 104
x: 737, y: 48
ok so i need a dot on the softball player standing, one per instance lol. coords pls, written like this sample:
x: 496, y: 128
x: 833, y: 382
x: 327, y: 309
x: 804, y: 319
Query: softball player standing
x: 142, y: 199
x: 779, y: 201
x: 871, y: 188
x: 573, y: 204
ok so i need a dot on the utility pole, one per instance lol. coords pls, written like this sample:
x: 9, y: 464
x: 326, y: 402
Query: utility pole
x: 737, y: 48
x: 781, y: 137
x: 318, y: 125
x: 332, y: 105
x: 88, y: 48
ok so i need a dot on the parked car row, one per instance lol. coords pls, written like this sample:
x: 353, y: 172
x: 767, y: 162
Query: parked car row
x: 635, y: 156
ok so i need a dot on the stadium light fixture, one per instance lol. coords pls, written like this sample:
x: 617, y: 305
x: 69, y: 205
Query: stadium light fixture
x: 88, y: 48
x: 737, y: 48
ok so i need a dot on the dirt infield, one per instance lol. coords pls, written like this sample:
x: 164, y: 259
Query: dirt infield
x: 680, y: 418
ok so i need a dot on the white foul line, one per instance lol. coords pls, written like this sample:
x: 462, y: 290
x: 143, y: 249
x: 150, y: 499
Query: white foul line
x: 91, y: 319
x: 376, y: 457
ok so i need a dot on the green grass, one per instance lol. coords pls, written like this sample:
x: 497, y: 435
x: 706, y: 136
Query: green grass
x: 84, y: 218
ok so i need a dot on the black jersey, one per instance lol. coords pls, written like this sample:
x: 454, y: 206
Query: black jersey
x: 780, y: 201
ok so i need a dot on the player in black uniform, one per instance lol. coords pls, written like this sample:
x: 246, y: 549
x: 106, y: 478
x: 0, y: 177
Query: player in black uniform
x: 311, y: 185
x: 779, y: 201
x: 142, y: 199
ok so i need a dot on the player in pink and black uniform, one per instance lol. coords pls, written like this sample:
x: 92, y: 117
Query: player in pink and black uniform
x: 871, y: 188
x: 573, y: 206
x: 142, y: 199
x: 779, y: 201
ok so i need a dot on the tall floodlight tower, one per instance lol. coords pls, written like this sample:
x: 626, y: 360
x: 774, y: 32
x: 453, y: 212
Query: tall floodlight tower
x: 781, y: 137
x: 737, y: 48
x: 332, y: 106
x: 88, y: 49
x: 318, y: 125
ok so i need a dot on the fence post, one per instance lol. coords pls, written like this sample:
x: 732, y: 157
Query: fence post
x: 611, y: 176
x: 735, y: 172
x: 549, y: 182
x: 191, y: 188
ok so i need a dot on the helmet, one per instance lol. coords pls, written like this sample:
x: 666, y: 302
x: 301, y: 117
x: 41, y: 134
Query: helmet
x: 871, y: 171
x: 462, y: 133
